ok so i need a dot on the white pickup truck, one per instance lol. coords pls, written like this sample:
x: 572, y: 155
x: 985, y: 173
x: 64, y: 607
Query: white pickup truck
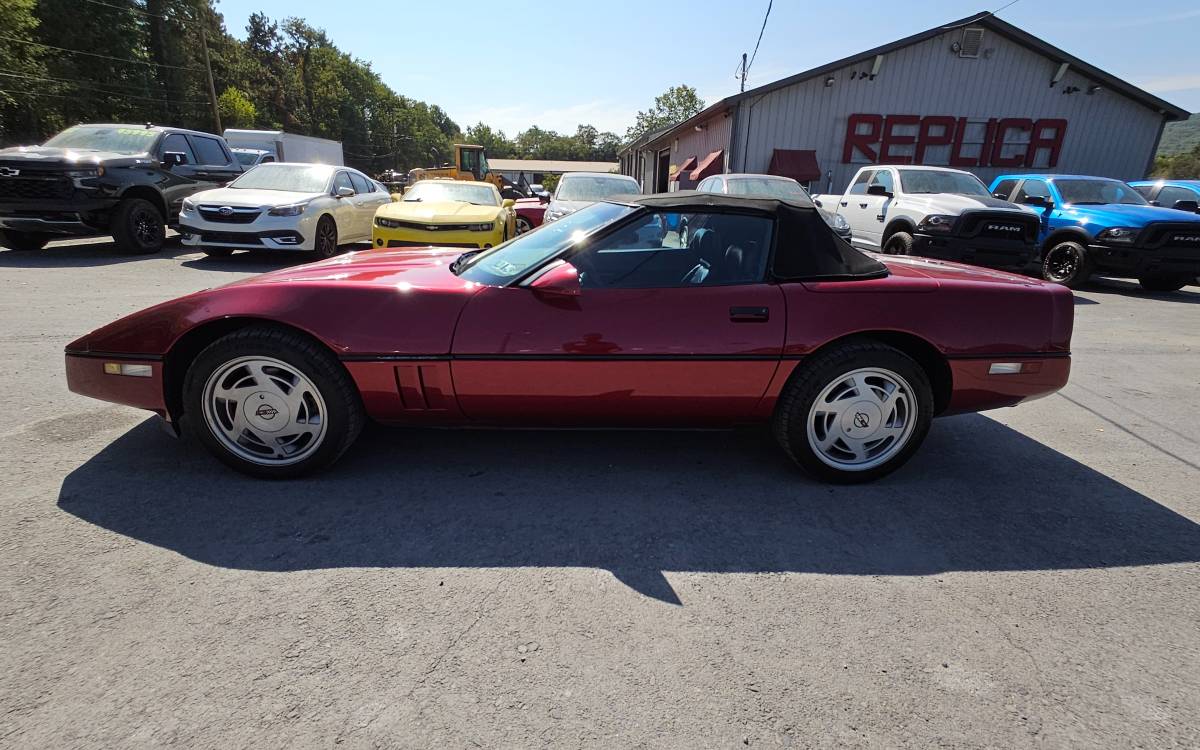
x: 936, y: 213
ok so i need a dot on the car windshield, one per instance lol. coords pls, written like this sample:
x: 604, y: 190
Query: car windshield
x: 464, y: 192
x: 246, y: 158
x: 513, y: 259
x: 766, y: 187
x: 299, y: 178
x: 930, y: 181
x: 118, y: 140
x: 1098, y: 192
x: 594, y: 188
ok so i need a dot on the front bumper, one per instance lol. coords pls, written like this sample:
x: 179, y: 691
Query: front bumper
x: 976, y: 251
x: 86, y: 376
x: 385, y: 237
x: 66, y: 217
x: 1134, y: 262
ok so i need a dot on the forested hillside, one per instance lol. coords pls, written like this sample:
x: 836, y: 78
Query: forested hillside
x: 1180, y: 137
x: 69, y: 61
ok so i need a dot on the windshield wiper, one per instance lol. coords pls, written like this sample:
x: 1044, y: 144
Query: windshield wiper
x: 457, y: 265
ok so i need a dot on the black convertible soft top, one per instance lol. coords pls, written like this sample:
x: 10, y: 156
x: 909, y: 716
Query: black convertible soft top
x: 806, y: 249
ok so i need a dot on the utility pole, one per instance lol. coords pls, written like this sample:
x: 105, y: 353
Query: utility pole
x: 742, y: 76
x: 212, y: 89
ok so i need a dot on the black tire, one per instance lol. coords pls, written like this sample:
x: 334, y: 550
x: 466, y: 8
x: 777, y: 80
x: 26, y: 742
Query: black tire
x: 327, y: 238
x: 1164, y: 283
x: 138, y: 227
x: 900, y: 243
x: 523, y: 225
x: 344, y: 414
x: 23, y: 241
x: 217, y: 252
x: 1067, y: 263
x: 795, y: 407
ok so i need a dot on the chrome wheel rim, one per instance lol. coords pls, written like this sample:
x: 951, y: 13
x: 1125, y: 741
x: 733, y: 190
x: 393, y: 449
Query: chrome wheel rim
x: 523, y: 225
x: 264, y: 411
x: 1061, y: 264
x: 862, y: 419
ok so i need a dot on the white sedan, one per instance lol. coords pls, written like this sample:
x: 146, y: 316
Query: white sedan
x: 282, y: 206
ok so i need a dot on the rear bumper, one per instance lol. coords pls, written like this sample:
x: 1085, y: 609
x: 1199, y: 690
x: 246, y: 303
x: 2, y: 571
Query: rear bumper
x: 976, y: 388
x: 86, y: 376
x: 1133, y: 262
x: 976, y: 251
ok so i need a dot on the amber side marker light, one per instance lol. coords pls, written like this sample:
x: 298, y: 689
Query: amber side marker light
x: 120, y: 368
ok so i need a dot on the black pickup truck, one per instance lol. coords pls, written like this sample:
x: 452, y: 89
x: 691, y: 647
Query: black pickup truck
x: 128, y: 181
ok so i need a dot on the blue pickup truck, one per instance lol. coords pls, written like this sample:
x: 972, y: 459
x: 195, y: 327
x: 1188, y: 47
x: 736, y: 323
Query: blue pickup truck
x: 1104, y: 226
x: 1181, y: 195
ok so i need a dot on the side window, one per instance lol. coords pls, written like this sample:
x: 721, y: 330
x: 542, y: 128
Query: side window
x: 176, y: 142
x: 883, y: 177
x: 267, y: 159
x: 470, y: 161
x: 360, y: 183
x: 860, y: 184
x: 665, y: 250
x: 1004, y: 189
x: 1032, y: 188
x: 705, y: 185
x: 209, y: 150
x: 1170, y: 194
x: 342, y: 180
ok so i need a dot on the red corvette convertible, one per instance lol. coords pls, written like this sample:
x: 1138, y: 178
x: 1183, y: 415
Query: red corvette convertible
x: 755, y: 313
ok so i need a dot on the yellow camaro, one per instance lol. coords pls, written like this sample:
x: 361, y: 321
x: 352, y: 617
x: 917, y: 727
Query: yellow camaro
x: 445, y: 213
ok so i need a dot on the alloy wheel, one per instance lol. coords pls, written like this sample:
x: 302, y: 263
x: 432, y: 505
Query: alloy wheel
x: 264, y: 411
x: 523, y: 225
x: 1061, y: 264
x: 862, y: 419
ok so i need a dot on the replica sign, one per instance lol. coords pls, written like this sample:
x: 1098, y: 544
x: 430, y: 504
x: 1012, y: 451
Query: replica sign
x: 944, y: 140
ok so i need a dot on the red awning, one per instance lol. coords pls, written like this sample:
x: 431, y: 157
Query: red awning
x: 713, y: 164
x: 688, y: 163
x: 801, y: 166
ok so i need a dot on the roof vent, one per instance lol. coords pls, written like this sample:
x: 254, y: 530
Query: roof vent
x: 972, y: 40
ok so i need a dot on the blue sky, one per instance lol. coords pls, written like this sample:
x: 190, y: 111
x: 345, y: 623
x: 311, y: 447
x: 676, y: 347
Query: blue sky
x: 559, y: 64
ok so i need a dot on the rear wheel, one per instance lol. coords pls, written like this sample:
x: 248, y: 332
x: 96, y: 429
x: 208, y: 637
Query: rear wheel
x: 523, y: 225
x: 272, y: 403
x: 855, y: 413
x: 900, y: 243
x: 24, y: 241
x: 1067, y: 263
x: 327, y: 237
x: 217, y: 252
x: 1164, y: 283
x: 138, y: 227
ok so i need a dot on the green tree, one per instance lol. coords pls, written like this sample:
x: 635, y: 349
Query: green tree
x: 1185, y: 166
x: 673, y: 106
x: 237, y: 111
x: 497, y: 144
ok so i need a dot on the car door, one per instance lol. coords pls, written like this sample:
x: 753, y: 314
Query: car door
x: 366, y: 201
x: 345, y: 211
x: 180, y: 179
x: 649, y: 340
x: 862, y: 210
x: 1169, y: 195
x: 215, y: 164
x: 1035, y: 189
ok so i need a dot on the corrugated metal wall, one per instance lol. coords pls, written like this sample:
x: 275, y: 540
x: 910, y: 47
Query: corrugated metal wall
x: 713, y: 136
x: 1107, y: 133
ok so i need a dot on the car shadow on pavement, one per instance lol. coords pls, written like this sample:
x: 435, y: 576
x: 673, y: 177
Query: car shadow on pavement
x: 978, y: 497
x: 99, y: 251
x: 1189, y: 295
x: 253, y: 261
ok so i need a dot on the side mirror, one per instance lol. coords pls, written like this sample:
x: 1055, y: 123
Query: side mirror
x: 561, y: 280
x: 544, y: 197
x: 878, y: 190
x: 173, y: 159
x: 344, y: 192
x: 1000, y: 195
x: 817, y: 203
x: 1037, y: 200
x: 508, y: 203
x: 1192, y: 206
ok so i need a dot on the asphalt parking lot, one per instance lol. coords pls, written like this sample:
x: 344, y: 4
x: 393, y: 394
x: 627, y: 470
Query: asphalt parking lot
x: 1030, y: 579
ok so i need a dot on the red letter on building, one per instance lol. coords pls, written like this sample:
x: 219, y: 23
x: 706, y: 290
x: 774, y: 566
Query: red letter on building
x: 926, y: 137
x: 891, y: 139
x: 862, y: 141
x: 1037, y: 141
x: 1007, y: 124
x: 956, y: 157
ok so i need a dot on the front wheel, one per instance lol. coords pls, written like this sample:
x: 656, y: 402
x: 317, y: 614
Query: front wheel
x: 272, y: 403
x: 23, y: 241
x: 1067, y: 263
x: 855, y: 413
x: 138, y: 227
x: 900, y: 243
x: 523, y: 225
x: 1164, y: 283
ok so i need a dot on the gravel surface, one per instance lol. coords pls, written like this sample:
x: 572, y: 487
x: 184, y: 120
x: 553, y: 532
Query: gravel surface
x: 1030, y: 579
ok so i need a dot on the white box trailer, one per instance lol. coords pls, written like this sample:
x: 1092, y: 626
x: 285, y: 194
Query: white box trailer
x: 284, y: 146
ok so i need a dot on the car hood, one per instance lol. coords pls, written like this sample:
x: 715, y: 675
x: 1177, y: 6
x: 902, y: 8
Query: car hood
x: 253, y: 198
x: 412, y: 270
x: 567, y: 207
x: 955, y: 204
x: 441, y: 212
x: 1123, y: 214
x: 48, y: 158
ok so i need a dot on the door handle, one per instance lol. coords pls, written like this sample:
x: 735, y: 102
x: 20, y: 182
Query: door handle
x: 845, y: 203
x: 862, y: 205
x: 749, y: 314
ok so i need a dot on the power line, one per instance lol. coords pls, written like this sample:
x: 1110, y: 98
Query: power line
x: 139, y: 11
x: 78, y: 85
x: 980, y: 17
x: 102, y: 57
x: 760, y: 34
x: 69, y: 96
